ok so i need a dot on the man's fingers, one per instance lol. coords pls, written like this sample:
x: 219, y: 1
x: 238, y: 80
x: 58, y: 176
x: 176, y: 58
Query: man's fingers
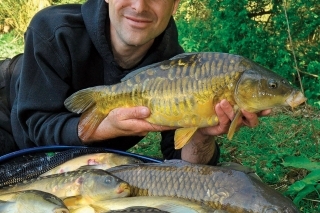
x: 139, y: 112
x: 227, y: 109
x: 250, y: 119
x: 265, y: 112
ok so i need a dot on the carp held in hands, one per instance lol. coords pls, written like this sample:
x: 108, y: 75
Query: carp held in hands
x: 182, y: 92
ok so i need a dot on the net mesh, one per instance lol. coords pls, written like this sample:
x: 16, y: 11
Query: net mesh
x: 30, y: 166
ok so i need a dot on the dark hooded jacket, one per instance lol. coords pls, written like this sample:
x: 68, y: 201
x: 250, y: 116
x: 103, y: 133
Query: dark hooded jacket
x: 67, y: 48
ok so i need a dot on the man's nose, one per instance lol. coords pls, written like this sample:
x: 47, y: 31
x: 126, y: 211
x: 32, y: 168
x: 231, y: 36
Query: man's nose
x: 140, y: 5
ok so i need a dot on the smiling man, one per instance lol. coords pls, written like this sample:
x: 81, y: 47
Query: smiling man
x: 72, y: 47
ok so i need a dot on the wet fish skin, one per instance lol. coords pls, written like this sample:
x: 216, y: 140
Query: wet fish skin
x: 31, y: 201
x: 94, y: 184
x: 221, y: 188
x: 168, y: 204
x: 99, y: 160
x: 182, y: 92
x: 89, y: 209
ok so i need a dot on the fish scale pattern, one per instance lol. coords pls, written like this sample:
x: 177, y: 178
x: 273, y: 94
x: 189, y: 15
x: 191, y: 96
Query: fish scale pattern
x: 184, y: 182
x: 217, y: 187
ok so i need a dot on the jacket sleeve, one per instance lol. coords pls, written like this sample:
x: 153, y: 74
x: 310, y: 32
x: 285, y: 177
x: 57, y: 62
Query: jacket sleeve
x: 44, y: 84
x: 169, y: 152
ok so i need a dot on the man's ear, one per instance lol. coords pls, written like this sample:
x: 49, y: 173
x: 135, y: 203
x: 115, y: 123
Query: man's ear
x: 175, y: 8
x: 107, y: 1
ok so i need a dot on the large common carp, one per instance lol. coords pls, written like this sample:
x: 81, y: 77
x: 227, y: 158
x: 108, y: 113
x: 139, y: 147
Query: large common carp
x: 182, y: 92
x: 76, y: 186
x: 218, y: 187
x: 31, y: 201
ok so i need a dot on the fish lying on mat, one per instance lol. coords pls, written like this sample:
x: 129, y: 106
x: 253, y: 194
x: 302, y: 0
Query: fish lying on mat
x: 182, y: 92
x: 99, y: 160
x: 31, y: 201
x: 80, y: 186
x: 218, y: 187
x: 167, y: 204
x: 137, y: 209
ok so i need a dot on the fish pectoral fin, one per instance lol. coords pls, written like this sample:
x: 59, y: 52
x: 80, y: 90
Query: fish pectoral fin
x: 75, y: 201
x: 89, y: 122
x: 182, y: 136
x: 98, y: 209
x: 234, y: 124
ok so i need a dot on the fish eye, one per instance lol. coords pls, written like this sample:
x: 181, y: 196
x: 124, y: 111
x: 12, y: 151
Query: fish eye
x: 108, y: 179
x: 272, y: 84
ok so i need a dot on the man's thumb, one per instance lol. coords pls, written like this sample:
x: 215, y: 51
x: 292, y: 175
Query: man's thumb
x: 141, y: 112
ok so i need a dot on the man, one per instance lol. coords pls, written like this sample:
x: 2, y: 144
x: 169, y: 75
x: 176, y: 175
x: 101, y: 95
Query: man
x: 72, y: 47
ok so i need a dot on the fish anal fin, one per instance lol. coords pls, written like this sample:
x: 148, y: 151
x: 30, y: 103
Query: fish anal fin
x: 182, y: 136
x: 89, y: 122
x: 234, y: 124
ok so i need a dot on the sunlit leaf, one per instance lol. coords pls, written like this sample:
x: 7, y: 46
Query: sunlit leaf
x: 300, y: 162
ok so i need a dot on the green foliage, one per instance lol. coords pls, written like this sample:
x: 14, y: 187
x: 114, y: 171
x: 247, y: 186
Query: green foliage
x: 149, y: 146
x: 11, y: 45
x: 68, y: 1
x: 309, y: 184
x: 258, y: 30
x: 16, y: 14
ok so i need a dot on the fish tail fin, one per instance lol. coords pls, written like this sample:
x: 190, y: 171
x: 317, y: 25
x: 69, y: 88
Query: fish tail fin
x: 234, y: 124
x: 80, y: 101
x: 89, y: 122
x: 182, y: 136
x: 84, y: 101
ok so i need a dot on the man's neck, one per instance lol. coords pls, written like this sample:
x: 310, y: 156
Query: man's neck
x: 127, y: 56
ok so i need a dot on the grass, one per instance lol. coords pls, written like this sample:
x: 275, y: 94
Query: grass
x: 10, y: 45
x: 274, y: 149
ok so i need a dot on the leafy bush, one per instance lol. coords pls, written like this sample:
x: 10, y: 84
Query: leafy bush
x: 18, y: 13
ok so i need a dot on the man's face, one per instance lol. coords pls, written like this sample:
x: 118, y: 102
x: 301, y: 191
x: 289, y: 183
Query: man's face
x: 137, y: 22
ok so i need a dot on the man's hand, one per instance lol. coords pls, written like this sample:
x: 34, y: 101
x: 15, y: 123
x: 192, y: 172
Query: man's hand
x: 201, y: 147
x: 125, y: 122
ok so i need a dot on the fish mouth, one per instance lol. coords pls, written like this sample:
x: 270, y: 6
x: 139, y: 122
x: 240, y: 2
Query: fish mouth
x: 295, y: 99
x: 124, y: 188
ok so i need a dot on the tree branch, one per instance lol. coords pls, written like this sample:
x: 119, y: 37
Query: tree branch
x: 261, y: 13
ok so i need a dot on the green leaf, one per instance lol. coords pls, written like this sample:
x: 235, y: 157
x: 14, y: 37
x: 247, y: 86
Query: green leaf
x: 303, y: 193
x: 300, y: 162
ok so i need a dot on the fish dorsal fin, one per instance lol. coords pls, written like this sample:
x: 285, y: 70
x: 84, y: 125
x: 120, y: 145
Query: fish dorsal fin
x: 89, y: 122
x: 182, y: 55
x: 182, y: 136
x: 137, y: 71
x: 234, y: 123
x: 142, y: 69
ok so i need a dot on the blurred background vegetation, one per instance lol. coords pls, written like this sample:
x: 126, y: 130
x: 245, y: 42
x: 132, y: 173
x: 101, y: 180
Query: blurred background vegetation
x: 283, y: 35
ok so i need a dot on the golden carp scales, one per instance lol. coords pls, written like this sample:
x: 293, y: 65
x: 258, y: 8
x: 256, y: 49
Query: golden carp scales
x: 80, y: 186
x: 99, y: 160
x: 167, y: 204
x: 182, y: 92
x: 31, y: 201
x: 218, y: 187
